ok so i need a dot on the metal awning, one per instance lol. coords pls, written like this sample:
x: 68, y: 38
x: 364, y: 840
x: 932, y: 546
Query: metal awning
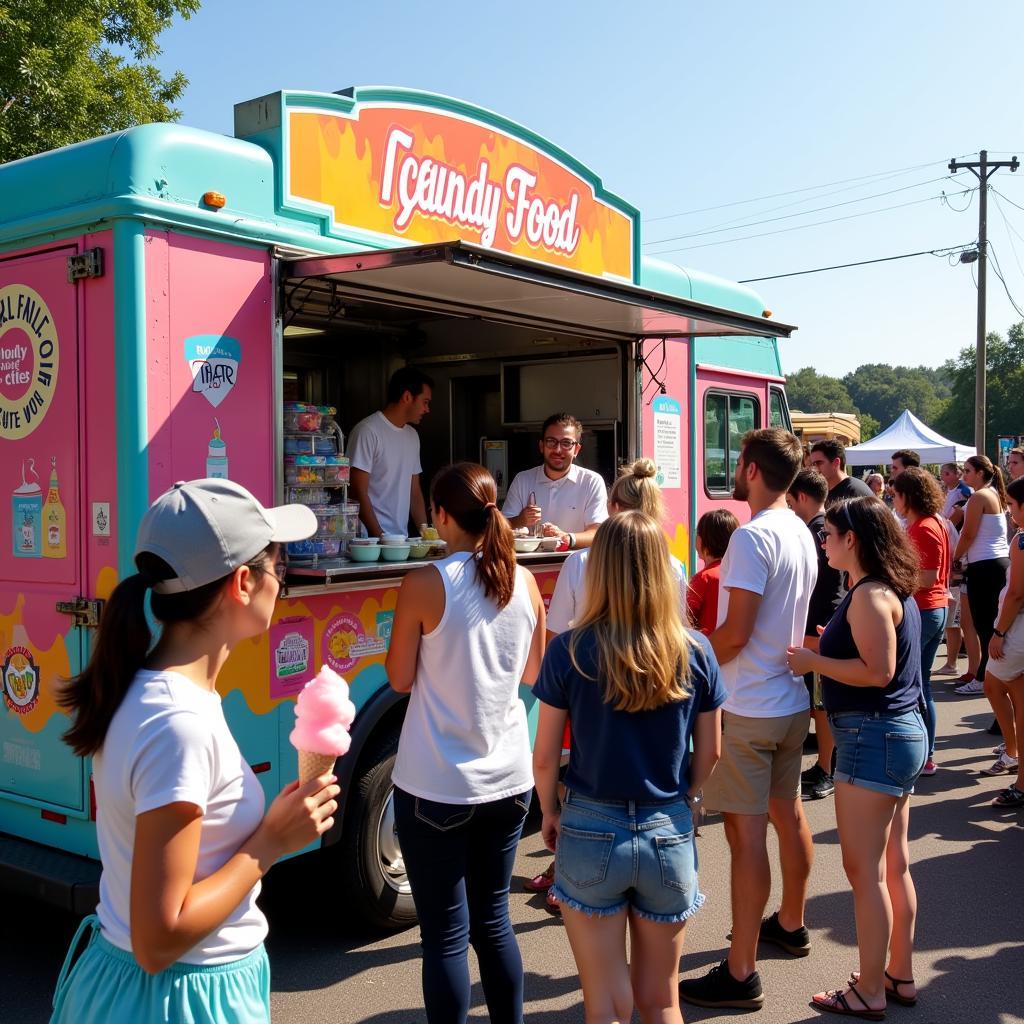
x: 464, y: 280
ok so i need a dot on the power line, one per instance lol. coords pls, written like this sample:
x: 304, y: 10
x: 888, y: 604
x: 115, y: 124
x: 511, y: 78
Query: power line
x: 795, y: 191
x: 860, y: 263
x: 789, y: 216
x: 800, y: 227
x: 999, y: 273
x: 1010, y: 201
x: 1009, y: 233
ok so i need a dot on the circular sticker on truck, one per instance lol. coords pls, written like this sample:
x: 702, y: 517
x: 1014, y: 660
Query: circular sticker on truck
x: 29, y: 360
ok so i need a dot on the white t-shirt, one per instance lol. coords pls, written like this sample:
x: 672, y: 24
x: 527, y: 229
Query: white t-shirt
x: 391, y: 455
x: 570, y: 590
x: 773, y: 555
x: 168, y: 743
x: 572, y: 502
x: 465, y: 739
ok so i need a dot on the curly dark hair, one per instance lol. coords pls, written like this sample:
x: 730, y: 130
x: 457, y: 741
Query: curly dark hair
x: 882, y: 547
x: 920, y: 490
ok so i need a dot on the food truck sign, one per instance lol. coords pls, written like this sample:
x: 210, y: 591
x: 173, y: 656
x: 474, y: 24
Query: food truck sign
x: 385, y: 165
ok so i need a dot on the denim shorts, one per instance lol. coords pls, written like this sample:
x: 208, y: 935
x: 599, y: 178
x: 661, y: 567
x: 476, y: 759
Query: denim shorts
x: 880, y: 751
x: 617, y: 855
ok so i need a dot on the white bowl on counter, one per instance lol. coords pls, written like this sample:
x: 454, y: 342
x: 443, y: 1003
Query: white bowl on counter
x: 526, y: 545
x: 393, y: 539
x: 394, y: 552
x: 549, y: 543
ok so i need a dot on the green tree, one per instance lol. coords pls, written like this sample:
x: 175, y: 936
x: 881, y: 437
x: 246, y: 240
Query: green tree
x: 810, y: 391
x: 1004, y: 391
x: 885, y: 391
x: 70, y: 72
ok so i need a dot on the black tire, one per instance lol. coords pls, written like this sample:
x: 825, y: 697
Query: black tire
x: 370, y: 859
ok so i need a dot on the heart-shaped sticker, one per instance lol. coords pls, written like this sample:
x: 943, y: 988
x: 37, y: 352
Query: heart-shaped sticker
x: 214, y: 360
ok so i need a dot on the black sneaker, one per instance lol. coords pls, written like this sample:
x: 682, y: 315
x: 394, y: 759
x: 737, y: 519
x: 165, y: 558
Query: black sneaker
x: 797, y: 942
x: 719, y: 988
x: 816, y: 783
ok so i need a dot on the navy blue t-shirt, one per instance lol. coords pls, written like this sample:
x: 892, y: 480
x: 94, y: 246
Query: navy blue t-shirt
x: 626, y: 755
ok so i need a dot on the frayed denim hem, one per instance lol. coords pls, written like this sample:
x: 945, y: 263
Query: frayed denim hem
x: 672, y: 918
x: 560, y: 895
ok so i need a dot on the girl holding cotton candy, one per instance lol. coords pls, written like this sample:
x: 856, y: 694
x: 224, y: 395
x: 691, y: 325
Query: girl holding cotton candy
x: 183, y: 835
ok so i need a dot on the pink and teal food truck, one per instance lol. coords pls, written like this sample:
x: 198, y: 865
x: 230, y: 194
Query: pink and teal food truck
x: 178, y: 304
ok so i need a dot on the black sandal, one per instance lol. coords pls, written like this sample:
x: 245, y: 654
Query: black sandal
x: 838, y: 1003
x: 894, y: 992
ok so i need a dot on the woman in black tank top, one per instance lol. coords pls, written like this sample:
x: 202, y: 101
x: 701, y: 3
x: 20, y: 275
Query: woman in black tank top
x: 869, y: 657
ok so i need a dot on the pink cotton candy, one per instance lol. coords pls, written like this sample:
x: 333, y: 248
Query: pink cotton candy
x: 323, y: 715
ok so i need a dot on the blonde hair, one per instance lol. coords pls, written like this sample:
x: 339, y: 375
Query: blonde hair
x: 632, y: 608
x: 635, y: 489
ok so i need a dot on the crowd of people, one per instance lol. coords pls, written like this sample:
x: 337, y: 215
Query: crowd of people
x: 827, y: 605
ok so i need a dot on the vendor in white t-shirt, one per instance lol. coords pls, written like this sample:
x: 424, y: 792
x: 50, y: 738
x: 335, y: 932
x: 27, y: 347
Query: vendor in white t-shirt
x: 384, y: 451
x: 566, y: 499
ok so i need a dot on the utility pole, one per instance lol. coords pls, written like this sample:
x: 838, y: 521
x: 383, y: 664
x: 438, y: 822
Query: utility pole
x: 982, y: 169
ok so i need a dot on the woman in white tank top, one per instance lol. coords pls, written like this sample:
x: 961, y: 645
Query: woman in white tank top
x: 983, y: 541
x: 467, y: 633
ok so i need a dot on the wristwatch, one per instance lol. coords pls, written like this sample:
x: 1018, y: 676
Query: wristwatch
x: 696, y: 799
x: 572, y: 541
x: 999, y: 633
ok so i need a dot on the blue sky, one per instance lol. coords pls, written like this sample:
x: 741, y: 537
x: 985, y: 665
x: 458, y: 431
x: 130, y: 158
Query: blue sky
x: 683, y: 106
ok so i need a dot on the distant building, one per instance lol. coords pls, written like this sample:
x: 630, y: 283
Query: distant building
x: 819, y: 426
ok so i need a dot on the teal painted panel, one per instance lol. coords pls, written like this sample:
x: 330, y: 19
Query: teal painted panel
x: 38, y: 767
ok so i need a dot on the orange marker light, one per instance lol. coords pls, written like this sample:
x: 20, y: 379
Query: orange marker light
x: 766, y: 313
x: 214, y: 199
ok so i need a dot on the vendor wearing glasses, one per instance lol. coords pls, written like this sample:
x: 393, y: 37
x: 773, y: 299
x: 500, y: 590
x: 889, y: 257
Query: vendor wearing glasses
x: 567, y: 500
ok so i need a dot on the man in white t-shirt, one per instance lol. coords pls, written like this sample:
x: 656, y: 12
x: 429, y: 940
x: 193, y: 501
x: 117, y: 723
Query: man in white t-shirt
x: 957, y: 493
x: 567, y: 500
x: 384, y: 450
x: 767, y: 577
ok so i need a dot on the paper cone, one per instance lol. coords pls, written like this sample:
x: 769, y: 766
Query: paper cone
x: 312, y: 765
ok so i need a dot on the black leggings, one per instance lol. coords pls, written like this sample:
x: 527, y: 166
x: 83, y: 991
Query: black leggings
x: 985, y: 581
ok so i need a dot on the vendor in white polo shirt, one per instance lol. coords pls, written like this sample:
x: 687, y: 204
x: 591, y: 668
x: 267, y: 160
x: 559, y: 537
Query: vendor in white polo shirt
x: 568, y: 500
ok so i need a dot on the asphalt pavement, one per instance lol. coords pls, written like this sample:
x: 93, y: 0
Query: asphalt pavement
x: 967, y: 864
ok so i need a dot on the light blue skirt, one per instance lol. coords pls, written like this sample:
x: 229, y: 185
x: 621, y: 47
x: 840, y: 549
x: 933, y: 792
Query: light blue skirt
x: 106, y: 985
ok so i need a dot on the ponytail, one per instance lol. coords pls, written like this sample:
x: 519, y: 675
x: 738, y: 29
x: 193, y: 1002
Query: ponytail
x: 993, y: 475
x: 467, y: 492
x: 123, y: 643
x: 497, y: 564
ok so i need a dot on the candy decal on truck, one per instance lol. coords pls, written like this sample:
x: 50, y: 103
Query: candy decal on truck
x: 291, y: 647
x: 29, y: 360
x: 20, y: 680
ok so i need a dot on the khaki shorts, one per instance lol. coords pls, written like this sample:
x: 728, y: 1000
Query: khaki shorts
x: 761, y: 760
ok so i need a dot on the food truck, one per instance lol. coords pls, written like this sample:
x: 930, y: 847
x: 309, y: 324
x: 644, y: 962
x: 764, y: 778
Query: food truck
x: 177, y: 304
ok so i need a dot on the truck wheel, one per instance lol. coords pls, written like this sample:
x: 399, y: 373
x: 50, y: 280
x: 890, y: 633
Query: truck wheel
x: 371, y: 858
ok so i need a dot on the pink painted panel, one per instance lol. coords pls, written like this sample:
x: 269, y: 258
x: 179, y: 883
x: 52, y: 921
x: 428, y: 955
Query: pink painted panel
x: 665, y: 432
x: 210, y: 330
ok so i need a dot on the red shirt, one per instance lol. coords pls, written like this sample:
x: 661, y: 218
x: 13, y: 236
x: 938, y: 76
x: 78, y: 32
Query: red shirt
x: 702, y: 598
x: 932, y: 543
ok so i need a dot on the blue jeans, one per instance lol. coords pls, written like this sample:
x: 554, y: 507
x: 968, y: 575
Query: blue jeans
x: 933, y: 622
x: 878, y: 750
x: 617, y: 854
x: 459, y: 858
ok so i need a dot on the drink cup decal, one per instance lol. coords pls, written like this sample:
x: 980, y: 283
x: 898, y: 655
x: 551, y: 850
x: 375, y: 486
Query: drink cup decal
x: 27, y: 517
x: 217, y: 455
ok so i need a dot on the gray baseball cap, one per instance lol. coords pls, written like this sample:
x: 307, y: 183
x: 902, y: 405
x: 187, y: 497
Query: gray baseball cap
x: 205, y: 529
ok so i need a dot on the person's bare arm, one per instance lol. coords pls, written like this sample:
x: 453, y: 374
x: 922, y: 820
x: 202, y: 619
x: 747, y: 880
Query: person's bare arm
x: 360, y: 486
x: 547, y: 757
x: 707, y: 748
x: 169, y: 910
x: 537, y: 641
x: 874, y: 634
x: 416, y: 612
x: 733, y: 634
x: 416, y: 503
x: 972, y: 520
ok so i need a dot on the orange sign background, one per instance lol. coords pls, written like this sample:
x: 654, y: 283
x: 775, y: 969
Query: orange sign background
x: 355, y: 167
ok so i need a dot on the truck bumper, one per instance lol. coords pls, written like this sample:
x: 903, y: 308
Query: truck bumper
x: 60, y: 879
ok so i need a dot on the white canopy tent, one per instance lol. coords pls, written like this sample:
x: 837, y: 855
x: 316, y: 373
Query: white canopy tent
x: 907, y: 432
